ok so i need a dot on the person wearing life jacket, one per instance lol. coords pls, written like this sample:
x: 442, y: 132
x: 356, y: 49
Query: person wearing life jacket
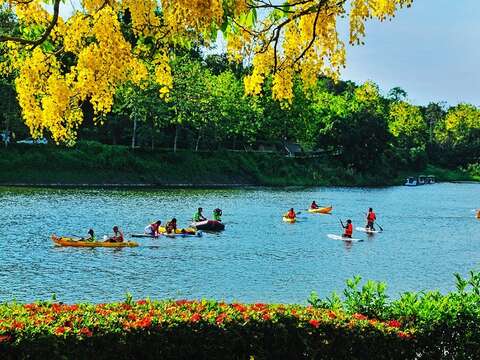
x: 314, y: 205
x: 348, y: 229
x: 171, y: 226
x: 217, y: 214
x: 117, y: 236
x: 291, y: 214
x: 371, y: 217
x: 198, y: 216
x: 152, y: 229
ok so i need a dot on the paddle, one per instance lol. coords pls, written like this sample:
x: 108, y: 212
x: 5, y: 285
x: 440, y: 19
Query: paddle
x: 381, y: 229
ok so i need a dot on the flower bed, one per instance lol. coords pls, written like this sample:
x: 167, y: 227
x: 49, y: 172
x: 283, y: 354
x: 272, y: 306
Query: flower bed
x: 195, y: 329
x: 362, y: 325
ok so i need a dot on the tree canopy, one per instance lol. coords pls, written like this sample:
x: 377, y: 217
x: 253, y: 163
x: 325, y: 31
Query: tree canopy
x: 59, y: 64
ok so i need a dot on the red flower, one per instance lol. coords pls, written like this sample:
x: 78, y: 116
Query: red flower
x: 60, y: 330
x: 56, y: 308
x: 126, y: 307
x: 359, y: 317
x: 182, y: 302
x: 31, y: 307
x: 404, y: 335
x: 86, y: 331
x: 141, y: 302
x: 240, y: 307
x: 314, y: 323
x: 220, y: 318
x: 73, y: 307
x: 394, y: 323
x: 266, y: 317
x: 132, y: 316
x: 196, y: 317
x: 17, y: 325
x: 5, y: 338
x: 145, y: 322
x: 331, y: 314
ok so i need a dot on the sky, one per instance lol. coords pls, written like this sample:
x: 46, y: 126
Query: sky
x: 430, y: 50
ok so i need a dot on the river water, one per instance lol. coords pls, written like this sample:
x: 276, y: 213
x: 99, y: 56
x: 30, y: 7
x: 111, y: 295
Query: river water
x: 430, y: 233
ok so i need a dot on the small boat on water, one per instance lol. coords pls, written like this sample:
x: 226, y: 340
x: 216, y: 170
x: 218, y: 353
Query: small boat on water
x: 208, y: 225
x: 289, y: 220
x: 322, y: 210
x: 65, y: 241
x: 420, y: 180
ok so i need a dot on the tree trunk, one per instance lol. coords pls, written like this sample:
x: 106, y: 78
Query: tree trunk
x: 134, y: 132
x: 176, y: 139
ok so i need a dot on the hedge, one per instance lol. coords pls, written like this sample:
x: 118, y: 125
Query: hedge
x: 363, y: 325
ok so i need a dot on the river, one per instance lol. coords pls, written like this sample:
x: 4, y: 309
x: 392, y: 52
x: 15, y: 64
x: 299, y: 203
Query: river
x: 430, y: 233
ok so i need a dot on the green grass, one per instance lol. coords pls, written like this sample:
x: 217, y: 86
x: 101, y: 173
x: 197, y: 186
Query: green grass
x: 97, y: 164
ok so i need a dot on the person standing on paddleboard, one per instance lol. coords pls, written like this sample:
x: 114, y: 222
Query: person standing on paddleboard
x: 348, y: 229
x: 371, y: 217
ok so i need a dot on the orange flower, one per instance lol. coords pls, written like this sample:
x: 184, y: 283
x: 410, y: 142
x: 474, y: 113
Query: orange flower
x: 314, y: 323
x: 331, y: 314
x: 145, y: 322
x: 196, y: 317
x: 141, y: 302
x: 86, y: 331
x: 17, y: 325
x: 220, y: 318
x: 404, y: 335
x: 266, y: 317
x: 60, y: 330
x: 359, y: 316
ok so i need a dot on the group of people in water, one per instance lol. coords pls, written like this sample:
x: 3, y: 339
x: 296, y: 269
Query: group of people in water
x: 371, y: 217
x: 154, y: 229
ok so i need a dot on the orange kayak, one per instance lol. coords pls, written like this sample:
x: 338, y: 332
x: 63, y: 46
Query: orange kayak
x: 324, y: 210
x: 64, y: 241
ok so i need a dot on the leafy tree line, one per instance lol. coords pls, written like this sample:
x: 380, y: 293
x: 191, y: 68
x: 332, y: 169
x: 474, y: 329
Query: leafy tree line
x: 207, y: 110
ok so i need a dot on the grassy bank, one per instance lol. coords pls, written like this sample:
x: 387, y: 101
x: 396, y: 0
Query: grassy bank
x: 94, y: 163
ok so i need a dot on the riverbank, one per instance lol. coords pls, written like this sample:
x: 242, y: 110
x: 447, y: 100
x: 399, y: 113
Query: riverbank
x: 96, y: 165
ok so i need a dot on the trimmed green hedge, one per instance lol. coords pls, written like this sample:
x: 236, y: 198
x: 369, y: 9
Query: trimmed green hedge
x: 362, y: 325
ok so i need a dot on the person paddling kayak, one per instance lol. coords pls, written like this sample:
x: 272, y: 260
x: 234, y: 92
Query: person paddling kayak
x: 152, y: 229
x: 314, y: 205
x: 291, y: 214
x: 198, y: 216
x: 217, y: 214
x: 91, y: 236
x: 117, y: 236
x: 348, y: 229
x: 371, y: 217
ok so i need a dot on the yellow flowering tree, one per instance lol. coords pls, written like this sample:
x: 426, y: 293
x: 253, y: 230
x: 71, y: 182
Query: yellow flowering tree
x: 61, y: 63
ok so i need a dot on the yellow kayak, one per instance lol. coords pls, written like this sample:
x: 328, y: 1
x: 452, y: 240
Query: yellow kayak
x: 324, y: 210
x: 189, y: 230
x: 288, y: 220
x: 64, y: 241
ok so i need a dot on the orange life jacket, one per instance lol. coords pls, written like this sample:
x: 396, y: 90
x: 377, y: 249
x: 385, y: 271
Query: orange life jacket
x: 349, y: 230
x: 371, y: 216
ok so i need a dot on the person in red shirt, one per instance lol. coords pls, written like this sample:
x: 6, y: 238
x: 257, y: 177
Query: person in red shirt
x: 314, y: 205
x: 291, y: 214
x: 348, y: 229
x: 371, y: 217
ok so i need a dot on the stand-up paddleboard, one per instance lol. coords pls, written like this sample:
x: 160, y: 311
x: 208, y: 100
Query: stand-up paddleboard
x: 173, y: 236
x: 337, y: 237
x: 368, y: 231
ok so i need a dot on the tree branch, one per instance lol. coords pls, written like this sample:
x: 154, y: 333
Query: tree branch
x: 46, y: 33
